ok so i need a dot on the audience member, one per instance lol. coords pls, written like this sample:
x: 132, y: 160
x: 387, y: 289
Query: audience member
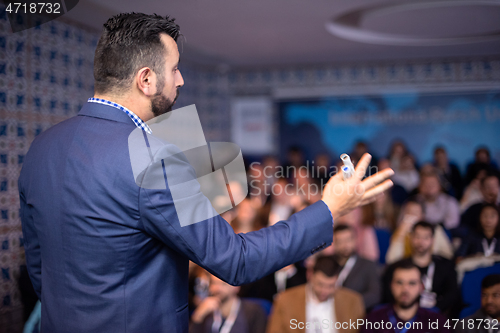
x: 359, y: 149
x: 321, y: 171
x: 271, y: 285
x: 397, y: 151
x: 449, y: 173
x: 407, y: 175
x: 485, y: 242
x: 439, y: 277
x: 406, y: 288
x: 366, y: 239
x: 440, y: 208
x: 224, y: 311
x: 490, y: 190
x: 400, y: 246
x: 357, y: 273
x: 279, y: 206
x: 381, y: 213
x: 472, y: 193
x: 316, y: 303
x: 482, y: 157
x: 295, y: 158
x: 486, y: 319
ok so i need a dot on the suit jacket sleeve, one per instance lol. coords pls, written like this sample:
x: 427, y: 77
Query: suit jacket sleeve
x: 31, y: 246
x: 358, y: 310
x: 212, y: 243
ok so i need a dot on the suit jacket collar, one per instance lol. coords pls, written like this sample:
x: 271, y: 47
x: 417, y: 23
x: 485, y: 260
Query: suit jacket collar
x: 107, y: 112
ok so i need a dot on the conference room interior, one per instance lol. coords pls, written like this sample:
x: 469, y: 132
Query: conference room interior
x: 295, y: 84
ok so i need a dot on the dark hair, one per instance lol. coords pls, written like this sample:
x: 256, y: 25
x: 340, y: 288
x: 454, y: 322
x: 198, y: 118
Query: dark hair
x: 439, y: 149
x: 341, y: 227
x: 415, y: 201
x: 423, y: 224
x: 404, y: 264
x: 490, y: 281
x: 495, y: 208
x: 328, y: 266
x: 482, y: 150
x: 490, y: 173
x: 130, y: 41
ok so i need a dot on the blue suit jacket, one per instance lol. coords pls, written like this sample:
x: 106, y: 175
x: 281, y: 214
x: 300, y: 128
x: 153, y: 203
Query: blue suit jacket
x: 106, y: 255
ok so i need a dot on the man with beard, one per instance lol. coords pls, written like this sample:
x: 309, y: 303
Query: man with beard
x: 486, y: 319
x: 439, y: 277
x: 404, y: 314
x: 358, y: 274
x: 112, y: 256
x: 224, y: 311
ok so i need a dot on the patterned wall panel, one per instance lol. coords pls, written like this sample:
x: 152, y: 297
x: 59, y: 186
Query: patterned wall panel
x: 439, y: 71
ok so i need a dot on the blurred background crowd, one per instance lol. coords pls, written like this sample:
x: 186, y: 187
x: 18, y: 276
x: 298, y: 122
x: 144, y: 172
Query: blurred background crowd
x: 436, y: 224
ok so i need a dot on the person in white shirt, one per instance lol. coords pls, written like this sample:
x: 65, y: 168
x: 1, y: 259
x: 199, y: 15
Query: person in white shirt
x: 440, y: 208
x: 318, y: 306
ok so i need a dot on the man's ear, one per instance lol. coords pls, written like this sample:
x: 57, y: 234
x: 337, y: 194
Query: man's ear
x: 145, y: 80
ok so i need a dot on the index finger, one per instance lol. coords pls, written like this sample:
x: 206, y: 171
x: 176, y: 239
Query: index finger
x: 362, y: 166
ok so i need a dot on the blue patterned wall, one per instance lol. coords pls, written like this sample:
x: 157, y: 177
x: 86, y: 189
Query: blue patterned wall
x: 45, y: 77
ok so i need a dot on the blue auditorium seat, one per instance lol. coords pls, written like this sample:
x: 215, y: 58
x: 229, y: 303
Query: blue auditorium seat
x: 471, y: 288
x: 384, y: 239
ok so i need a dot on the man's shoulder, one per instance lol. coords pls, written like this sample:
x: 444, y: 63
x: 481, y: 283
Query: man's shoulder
x: 443, y: 263
x: 379, y: 312
x: 431, y: 314
x: 479, y: 314
x: 252, y: 309
x: 363, y: 262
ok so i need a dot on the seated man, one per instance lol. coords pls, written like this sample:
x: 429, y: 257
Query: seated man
x: 358, y: 273
x: 405, y: 313
x: 439, y: 207
x: 317, y: 305
x: 400, y: 246
x: 490, y: 189
x: 271, y: 285
x: 224, y: 311
x: 439, y: 277
x: 486, y: 319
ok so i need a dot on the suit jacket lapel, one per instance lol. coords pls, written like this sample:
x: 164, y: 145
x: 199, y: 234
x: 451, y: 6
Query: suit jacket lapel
x: 299, y: 310
x: 340, y: 310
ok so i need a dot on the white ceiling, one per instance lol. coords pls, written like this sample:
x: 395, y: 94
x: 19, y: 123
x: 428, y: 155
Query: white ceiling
x: 275, y: 32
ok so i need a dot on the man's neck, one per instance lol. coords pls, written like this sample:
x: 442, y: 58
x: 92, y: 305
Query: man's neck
x: 342, y: 260
x: 130, y: 102
x: 406, y: 314
x: 225, y: 308
x: 489, y: 233
x: 422, y: 260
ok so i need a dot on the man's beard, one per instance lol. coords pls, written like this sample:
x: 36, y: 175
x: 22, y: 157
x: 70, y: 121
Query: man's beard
x: 159, y: 103
x: 421, y: 252
x: 409, y: 304
x: 491, y: 314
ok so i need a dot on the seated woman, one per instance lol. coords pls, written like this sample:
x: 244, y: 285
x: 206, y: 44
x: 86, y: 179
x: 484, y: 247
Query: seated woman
x: 486, y: 241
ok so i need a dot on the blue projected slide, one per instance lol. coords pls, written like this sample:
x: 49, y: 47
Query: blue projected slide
x: 459, y: 121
